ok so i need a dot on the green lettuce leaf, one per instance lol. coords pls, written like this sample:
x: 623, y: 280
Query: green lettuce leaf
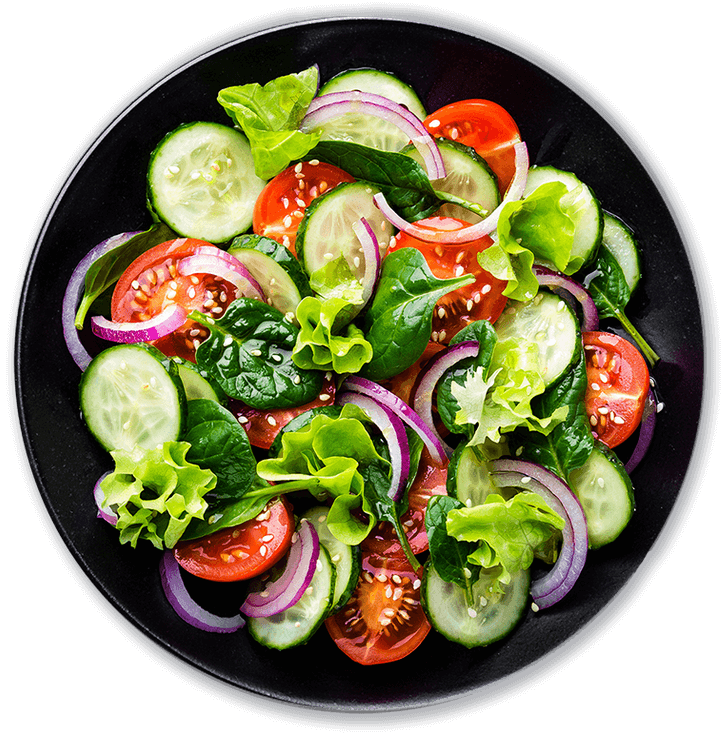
x: 538, y: 227
x: 156, y: 493
x: 270, y: 116
x: 509, y: 532
x: 320, y: 346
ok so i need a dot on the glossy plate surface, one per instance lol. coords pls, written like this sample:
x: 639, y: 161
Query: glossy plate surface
x: 105, y: 195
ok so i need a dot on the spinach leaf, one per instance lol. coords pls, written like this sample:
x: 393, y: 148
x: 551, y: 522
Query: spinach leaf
x: 249, y: 353
x: 108, y: 268
x: 570, y: 443
x: 398, y: 323
x: 220, y: 444
x: 401, y: 179
x: 610, y: 292
x: 448, y: 554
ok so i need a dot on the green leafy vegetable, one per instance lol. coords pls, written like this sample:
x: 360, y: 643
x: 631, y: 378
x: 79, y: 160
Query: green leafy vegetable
x: 321, y: 345
x: 611, y: 294
x: 108, y: 268
x: 249, y: 353
x: 398, y: 323
x: 156, y: 493
x: 270, y: 117
x: 508, y: 532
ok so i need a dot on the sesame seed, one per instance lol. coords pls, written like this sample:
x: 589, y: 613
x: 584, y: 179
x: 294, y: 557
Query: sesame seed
x: 472, y: 612
x: 270, y: 419
x: 255, y: 352
x: 262, y: 550
x: 324, y: 397
x: 267, y: 538
x: 243, y: 419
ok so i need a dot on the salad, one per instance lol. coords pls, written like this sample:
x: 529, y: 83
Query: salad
x: 354, y: 368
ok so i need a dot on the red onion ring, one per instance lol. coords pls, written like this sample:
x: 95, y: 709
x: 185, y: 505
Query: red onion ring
x: 170, y: 318
x: 185, y: 606
x: 212, y: 261
x: 328, y: 106
x: 284, y: 592
x: 465, y: 234
x: 390, y: 400
x: 646, y: 432
x: 556, y: 280
x: 103, y: 512
x: 551, y: 588
x: 393, y: 431
x: 371, y: 255
x: 74, y: 293
x: 431, y: 375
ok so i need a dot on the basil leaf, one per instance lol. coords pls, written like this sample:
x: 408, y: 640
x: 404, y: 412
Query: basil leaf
x: 399, y: 177
x: 249, y: 353
x: 398, y: 323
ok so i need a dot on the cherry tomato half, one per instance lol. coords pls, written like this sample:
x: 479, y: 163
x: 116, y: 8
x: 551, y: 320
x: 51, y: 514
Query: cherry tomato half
x: 262, y: 426
x: 280, y: 206
x: 239, y: 553
x: 481, y: 300
x: 383, y: 621
x: 484, y: 126
x: 151, y: 282
x: 618, y: 382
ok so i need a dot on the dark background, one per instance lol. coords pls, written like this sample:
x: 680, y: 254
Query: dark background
x: 655, y: 662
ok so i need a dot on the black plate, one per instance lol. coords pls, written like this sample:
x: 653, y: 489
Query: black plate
x: 105, y: 195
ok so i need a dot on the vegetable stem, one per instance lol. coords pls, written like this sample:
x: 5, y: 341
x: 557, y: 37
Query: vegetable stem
x: 469, y: 205
x: 651, y: 356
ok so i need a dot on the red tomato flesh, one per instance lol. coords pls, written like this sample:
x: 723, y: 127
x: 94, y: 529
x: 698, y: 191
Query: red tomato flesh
x: 281, y: 205
x: 151, y: 282
x: 618, y: 382
x: 239, y: 553
x: 481, y: 300
x: 383, y: 621
x: 484, y: 126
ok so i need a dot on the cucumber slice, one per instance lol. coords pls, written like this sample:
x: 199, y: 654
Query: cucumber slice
x: 347, y: 559
x: 201, y: 181
x: 131, y: 395
x: 619, y: 240
x: 297, y: 624
x: 196, y: 384
x: 468, y: 177
x: 279, y: 274
x: 585, y: 212
x: 468, y: 478
x: 326, y: 231
x: 365, y: 129
x: 479, y: 620
x: 548, y: 322
x: 606, y: 494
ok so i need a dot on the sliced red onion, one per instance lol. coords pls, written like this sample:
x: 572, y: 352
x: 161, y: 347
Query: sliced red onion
x: 371, y: 256
x: 393, y: 431
x: 186, y: 607
x: 170, y: 318
x: 98, y: 496
x: 646, y: 432
x: 284, y: 592
x: 557, y: 280
x: 212, y: 261
x: 328, y: 106
x: 74, y: 294
x: 431, y: 375
x: 530, y: 477
x: 465, y: 234
x: 390, y: 400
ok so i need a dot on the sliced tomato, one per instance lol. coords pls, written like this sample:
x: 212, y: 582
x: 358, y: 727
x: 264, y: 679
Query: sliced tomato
x: 618, y: 382
x: 262, y: 426
x: 484, y: 126
x: 280, y: 206
x: 430, y: 480
x: 151, y: 282
x: 383, y: 621
x: 481, y: 300
x: 239, y: 553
